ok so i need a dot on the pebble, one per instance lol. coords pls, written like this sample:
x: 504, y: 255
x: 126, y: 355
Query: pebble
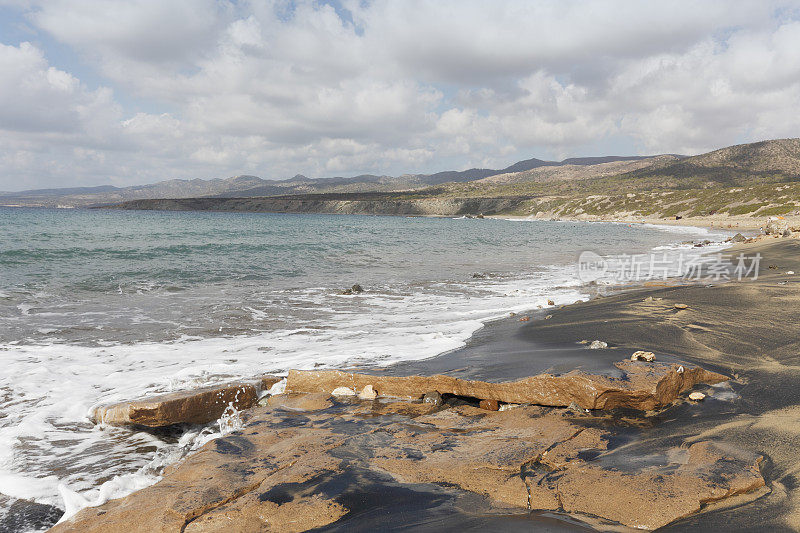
x: 681, y: 306
x: 489, y: 405
x: 641, y: 355
x: 368, y: 393
x: 550, y: 302
x: 525, y: 319
x: 343, y: 391
x: 432, y: 397
x: 697, y: 396
x: 598, y: 345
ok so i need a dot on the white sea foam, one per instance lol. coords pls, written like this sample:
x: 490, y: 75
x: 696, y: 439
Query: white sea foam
x: 375, y: 328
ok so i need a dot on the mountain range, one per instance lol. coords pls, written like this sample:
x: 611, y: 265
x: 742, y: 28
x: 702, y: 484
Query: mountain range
x: 774, y: 160
x: 251, y: 186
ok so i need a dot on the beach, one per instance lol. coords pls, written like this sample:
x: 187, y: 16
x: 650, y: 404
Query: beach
x: 100, y: 306
x: 731, y: 328
x: 718, y: 222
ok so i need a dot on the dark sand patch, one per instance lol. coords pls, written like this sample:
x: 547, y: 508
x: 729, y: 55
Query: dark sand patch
x: 746, y: 329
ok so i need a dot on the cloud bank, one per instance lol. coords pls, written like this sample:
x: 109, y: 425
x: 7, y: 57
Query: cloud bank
x: 131, y: 92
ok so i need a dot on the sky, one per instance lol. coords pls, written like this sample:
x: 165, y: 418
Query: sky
x: 131, y: 92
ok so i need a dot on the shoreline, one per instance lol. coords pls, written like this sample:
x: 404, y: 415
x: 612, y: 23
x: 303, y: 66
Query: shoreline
x: 725, y: 223
x: 717, y: 222
x: 550, y: 340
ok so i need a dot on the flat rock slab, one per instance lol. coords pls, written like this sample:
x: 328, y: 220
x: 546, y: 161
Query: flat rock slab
x: 643, y: 386
x: 196, y: 406
x: 293, y: 465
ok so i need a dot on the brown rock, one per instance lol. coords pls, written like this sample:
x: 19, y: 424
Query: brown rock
x: 644, y: 387
x: 266, y: 477
x: 367, y: 393
x: 681, y: 306
x: 300, y: 402
x: 654, y: 497
x: 550, y: 302
x: 226, y: 479
x: 197, y: 406
x: 641, y: 355
x: 267, y: 381
x: 489, y: 405
x: 433, y: 398
x: 525, y: 319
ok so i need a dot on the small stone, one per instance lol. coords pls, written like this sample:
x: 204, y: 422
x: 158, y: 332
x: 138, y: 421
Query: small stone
x: 680, y: 369
x: 648, y: 299
x: 584, y: 341
x: 525, y: 319
x: 697, y: 396
x: 432, y: 397
x: 681, y: 306
x: 790, y: 271
x: 356, y: 289
x: 343, y: 391
x: 508, y: 406
x: 550, y: 302
x: 368, y: 393
x: 738, y: 238
x: 512, y: 313
x: 548, y: 317
x: 598, y: 345
x: 489, y: 405
x: 641, y: 355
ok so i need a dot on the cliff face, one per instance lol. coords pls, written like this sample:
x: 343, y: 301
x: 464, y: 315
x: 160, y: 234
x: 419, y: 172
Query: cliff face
x: 345, y: 206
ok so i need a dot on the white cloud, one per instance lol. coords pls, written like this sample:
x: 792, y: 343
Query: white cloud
x: 276, y: 88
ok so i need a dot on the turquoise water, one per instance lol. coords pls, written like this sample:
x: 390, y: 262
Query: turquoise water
x: 88, y: 276
x: 99, y: 306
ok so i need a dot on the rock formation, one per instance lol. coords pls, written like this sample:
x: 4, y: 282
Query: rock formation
x: 642, y: 386
x: 288, y: 469
x: 196, y: 406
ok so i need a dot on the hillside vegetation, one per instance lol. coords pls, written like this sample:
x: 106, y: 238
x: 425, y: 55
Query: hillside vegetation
x: 750, y: 180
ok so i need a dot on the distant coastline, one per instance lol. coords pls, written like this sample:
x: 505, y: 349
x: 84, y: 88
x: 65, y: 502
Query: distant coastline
x: 395, y: 205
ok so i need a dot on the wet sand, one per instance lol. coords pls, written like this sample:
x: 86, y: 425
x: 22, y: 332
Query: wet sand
x: 747, y: 330
x: 744, y: 329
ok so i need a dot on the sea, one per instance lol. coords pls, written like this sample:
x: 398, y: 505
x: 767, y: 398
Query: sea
x: 104, y: 305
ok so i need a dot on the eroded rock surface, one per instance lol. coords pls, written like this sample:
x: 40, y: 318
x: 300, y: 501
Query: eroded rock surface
x: 196, y: 406
x: 291, y: 468
x: 643, y: 386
